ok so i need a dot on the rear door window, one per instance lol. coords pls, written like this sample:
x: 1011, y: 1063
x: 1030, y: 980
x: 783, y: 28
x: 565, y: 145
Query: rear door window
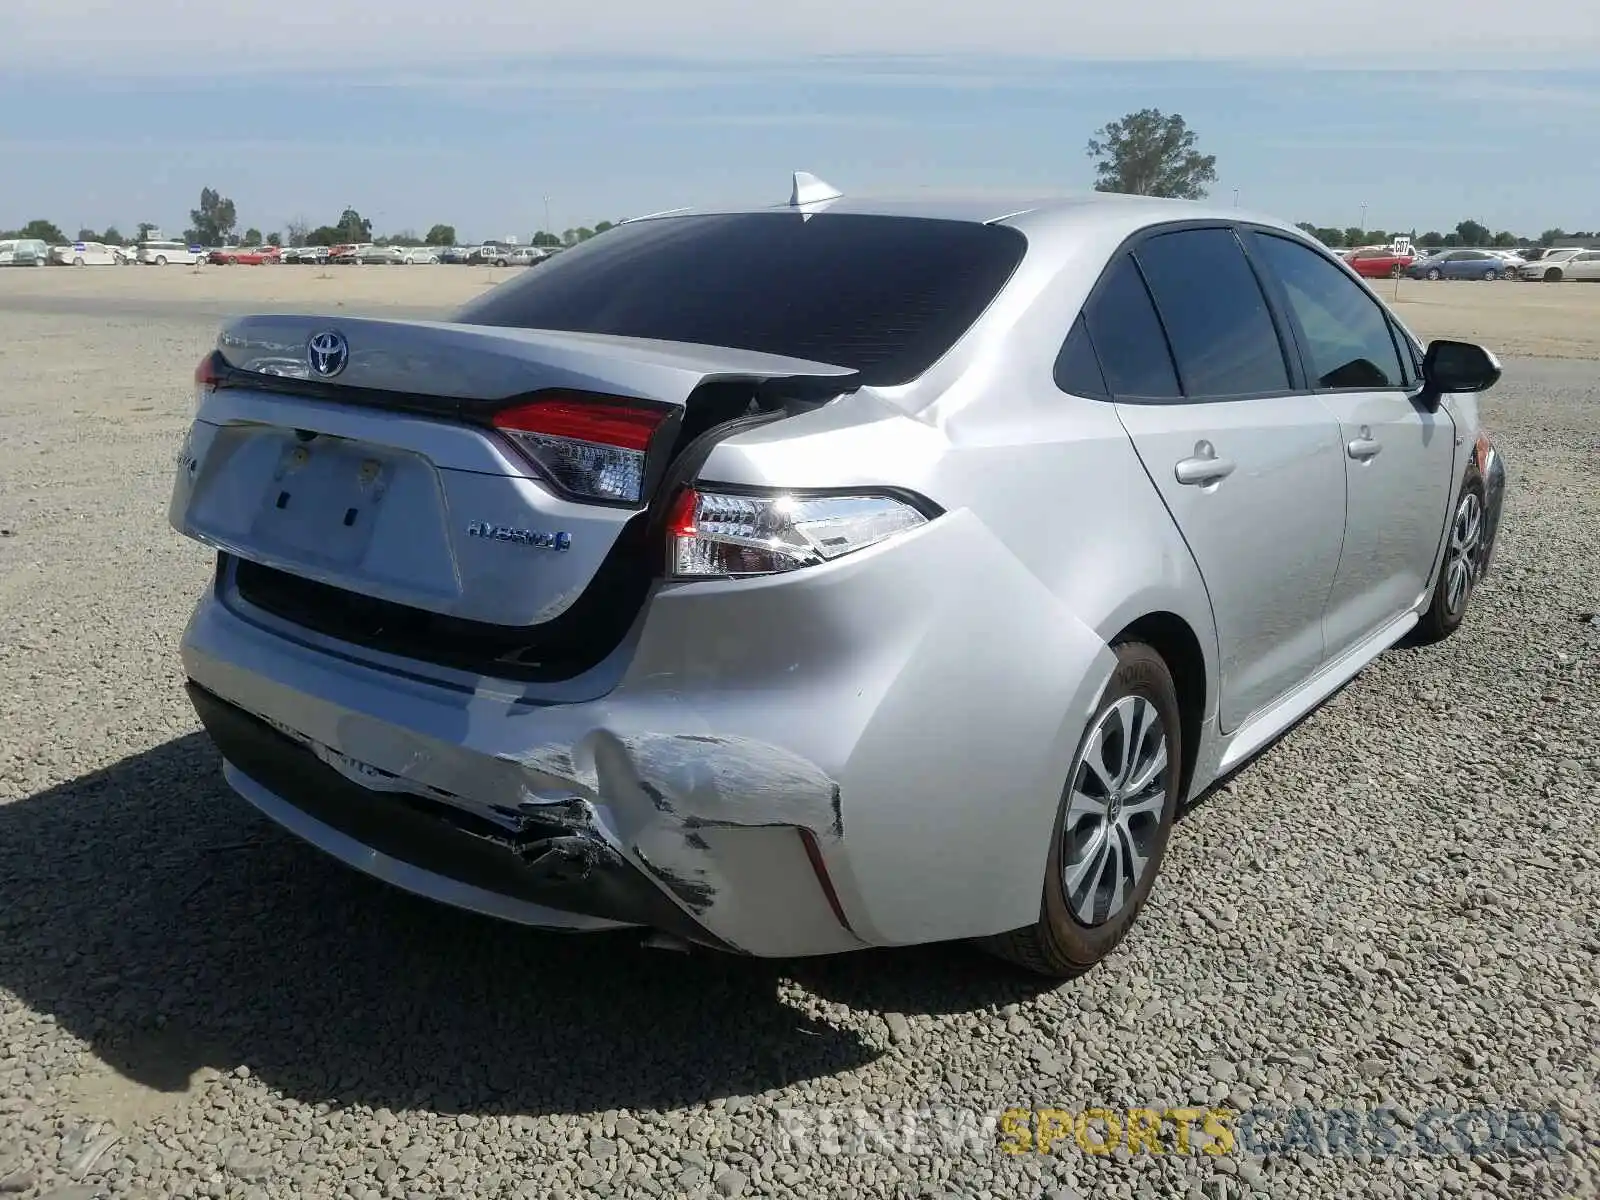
x: 1216, y: 316
x: 1346, y: 336
x: 884, y: 296
x: 1126, y: 334
x: 1077, y: 366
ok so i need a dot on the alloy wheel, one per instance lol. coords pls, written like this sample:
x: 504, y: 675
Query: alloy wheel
x: 1461, y: 563
x: 1114, y: 810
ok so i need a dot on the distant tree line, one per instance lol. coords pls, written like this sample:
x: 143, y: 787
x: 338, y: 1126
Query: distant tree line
x: 1147, y: 153
x: 216, y: 223
x: 1467, y: 233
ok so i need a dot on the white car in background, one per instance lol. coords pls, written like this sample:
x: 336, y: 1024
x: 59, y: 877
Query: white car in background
x: 1569, y: 262
x: 84, y: 254
x: 411, y: 255
x: 159, y: 254
x: 23, y: 252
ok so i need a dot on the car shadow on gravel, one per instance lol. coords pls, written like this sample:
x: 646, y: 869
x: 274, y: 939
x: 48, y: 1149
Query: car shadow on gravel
x: 157, y: 917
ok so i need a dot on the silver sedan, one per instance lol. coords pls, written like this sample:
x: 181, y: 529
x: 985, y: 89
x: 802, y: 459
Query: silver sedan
x: 843, y: 573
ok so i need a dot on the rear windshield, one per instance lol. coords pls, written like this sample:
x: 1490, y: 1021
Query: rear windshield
x: 885, y: 296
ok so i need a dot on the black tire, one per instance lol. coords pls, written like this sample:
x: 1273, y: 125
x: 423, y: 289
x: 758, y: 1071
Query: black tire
x: 1060, y: 944
x: 1491, y: 275
x: 1433, y: 274
x: 1445, y: 613
x: 1552, y: 276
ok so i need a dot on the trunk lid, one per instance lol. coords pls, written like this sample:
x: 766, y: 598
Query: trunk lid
x: 379, y: 475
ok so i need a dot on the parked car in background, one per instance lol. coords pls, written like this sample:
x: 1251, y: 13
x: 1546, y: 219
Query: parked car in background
x: 1378, y: 262
x: 24, y: 252
x: 377, y: 256
x: 161, y: 253
x: 348, y: 254
x: 1460, y: 264
x: 245, y: 256
x: 1568, y: 264
x: 594, y: 608
x: 1514, y: 260
x: 84, y: 254
x: 455, y: 254
x: 490, y: 254
x: 413, y: 255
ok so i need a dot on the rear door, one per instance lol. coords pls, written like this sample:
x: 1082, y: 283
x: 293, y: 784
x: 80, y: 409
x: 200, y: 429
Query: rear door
x: 1249, y: 465
x: 1398, y: 457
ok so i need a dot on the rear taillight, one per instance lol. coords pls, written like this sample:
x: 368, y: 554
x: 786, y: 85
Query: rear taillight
x: 590, y: 448
x: 715, y: 533
x: 207, y: 378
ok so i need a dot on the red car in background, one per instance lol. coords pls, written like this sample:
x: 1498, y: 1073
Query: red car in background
x: 1378, y: 262
x: 248, y: 256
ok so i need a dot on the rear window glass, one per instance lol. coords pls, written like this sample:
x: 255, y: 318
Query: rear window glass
x: 885, y: 296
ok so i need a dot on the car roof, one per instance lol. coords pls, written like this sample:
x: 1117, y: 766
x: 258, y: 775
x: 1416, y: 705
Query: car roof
x: 1106, y: 211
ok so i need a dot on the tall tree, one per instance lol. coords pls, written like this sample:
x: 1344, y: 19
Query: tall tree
x: 441, y: 235
x: 353, y: 227
x: 214, y: 220
x: 1149, y: 153
x: 1551, y: 236
x: 252, y: 236
x: 297, y: 230
x: 1472, y: 234
x: 42, y: 231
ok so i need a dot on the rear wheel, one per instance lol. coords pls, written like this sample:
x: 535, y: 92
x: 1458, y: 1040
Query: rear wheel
x: 1552, y: 276
x: 1433, y: 274
x: 1491, y: 275
x: 1112, y: 828
x: 1463, y: 557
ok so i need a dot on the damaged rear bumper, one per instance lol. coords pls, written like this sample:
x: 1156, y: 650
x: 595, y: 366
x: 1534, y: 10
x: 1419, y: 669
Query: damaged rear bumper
x: 868, y: 753
x: 549, y: 868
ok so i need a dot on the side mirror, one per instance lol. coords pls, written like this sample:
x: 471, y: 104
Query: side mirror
x: 1450, y: 367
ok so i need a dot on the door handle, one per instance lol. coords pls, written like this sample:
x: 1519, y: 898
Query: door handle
x: 1364, y: 447
x: 1205, y: 467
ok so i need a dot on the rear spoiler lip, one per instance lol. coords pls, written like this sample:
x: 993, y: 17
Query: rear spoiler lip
x: 807, y: 388
x: 265, y: 352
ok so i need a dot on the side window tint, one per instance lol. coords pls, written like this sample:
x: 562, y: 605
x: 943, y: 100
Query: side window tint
x: 1410, y: 358
x: 1215, y: 315
x: 1347, y: 338
x: 1077, y: 368
x: 1123, y: 326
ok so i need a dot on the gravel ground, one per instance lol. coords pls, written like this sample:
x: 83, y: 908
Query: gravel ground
x: 1395, y: 906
